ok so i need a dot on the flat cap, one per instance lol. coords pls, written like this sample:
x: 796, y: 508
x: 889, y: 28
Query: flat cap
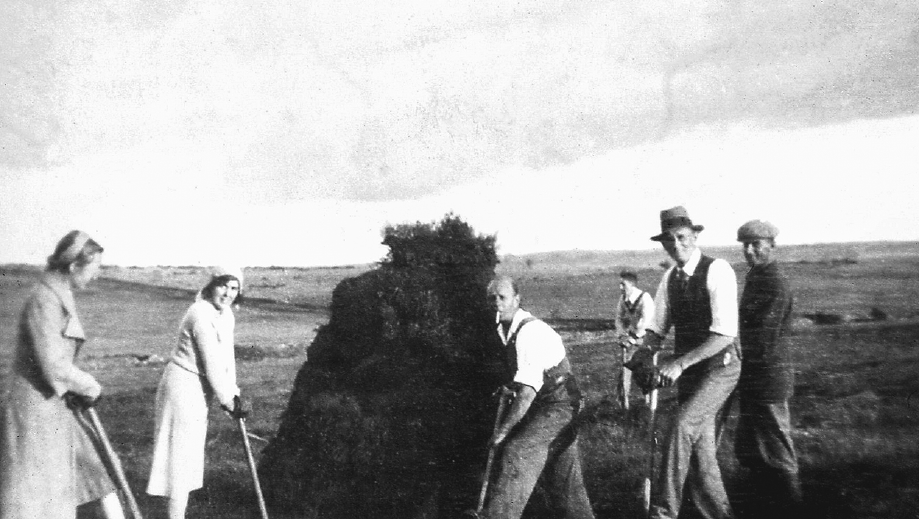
x: 756, y: 230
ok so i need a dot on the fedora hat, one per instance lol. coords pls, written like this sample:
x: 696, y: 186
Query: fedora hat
x: 673, y: 218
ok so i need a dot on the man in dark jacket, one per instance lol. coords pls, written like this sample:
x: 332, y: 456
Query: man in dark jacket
x: 763, y: 442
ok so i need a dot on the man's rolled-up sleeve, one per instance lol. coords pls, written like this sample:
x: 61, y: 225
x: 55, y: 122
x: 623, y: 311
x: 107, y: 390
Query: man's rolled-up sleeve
x: 647, y: 314
x: 538, y: 348
x: 659, y: 323
x: 721, y: 284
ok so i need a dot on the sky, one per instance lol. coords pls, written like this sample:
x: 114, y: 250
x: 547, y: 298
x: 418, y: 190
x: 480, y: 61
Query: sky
x: 291, y: 133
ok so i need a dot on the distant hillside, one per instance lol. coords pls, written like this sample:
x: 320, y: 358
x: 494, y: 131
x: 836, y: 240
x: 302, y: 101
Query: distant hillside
x: 575, y: 261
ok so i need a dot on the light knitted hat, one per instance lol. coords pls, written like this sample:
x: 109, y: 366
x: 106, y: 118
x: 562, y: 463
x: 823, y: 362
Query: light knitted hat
x: 225, y: 270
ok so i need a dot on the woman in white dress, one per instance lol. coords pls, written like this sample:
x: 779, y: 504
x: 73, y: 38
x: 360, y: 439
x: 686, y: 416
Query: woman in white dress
x: 201, y: 369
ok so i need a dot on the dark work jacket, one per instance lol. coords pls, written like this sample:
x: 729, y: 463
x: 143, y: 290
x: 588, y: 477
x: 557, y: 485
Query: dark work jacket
x: 690, y: 313
x: 766, y: 309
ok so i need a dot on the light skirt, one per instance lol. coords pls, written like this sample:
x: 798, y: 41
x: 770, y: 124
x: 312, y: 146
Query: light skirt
x: 181, y: 424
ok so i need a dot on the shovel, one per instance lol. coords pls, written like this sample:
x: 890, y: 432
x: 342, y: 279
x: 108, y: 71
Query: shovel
x: 241, y: 424
x: 623, y: 396
x: 651, y: 467
x: 500, y: 411
x: 114, y: 462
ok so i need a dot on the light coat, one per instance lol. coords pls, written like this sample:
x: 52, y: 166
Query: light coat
x: 48, y: 463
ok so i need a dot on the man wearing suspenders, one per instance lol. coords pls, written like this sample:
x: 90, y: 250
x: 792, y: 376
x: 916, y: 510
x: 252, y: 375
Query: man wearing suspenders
x: 633, y: 315
x: 698, y: 297
x: 536, y: 435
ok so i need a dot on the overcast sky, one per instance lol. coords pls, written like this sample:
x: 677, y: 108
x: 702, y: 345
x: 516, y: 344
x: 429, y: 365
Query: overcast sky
x: 290, y: 133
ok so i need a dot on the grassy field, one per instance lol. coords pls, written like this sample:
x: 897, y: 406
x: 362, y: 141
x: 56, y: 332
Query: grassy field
x: 855, y: 413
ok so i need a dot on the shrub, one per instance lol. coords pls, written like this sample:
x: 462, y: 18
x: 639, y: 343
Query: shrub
x: 392, y: 408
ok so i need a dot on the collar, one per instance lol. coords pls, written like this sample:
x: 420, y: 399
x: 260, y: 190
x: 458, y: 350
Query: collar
x: 692, y: 263
x: 758, y: 269
x: 60, y: 284
x: 517, y: 318
x: 211, y: 308
x: 632, y: 294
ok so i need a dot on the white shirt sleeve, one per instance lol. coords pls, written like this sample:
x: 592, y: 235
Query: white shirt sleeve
x: 721, y: 283
x: 647, y: 313
x: 538, y: 348
x: 619, y: 330
x: 660, y: 322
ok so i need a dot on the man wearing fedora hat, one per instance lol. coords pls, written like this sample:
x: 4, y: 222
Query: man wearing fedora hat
x: 763, y: 435
x: 696, y: 297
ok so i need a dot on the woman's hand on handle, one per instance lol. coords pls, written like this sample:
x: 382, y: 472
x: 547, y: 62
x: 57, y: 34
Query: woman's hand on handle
x: 238, y: 409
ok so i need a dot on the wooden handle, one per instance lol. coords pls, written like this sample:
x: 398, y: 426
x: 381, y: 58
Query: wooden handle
x: 253, y: 473
x: 651, y: 468
x: 500, y: 411
x: 115, y: 463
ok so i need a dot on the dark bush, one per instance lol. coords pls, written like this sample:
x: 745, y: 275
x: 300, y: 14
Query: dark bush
x: 392, y: 409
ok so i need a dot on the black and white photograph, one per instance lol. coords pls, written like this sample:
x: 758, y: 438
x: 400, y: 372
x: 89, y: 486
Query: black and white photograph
x: 458, y: 260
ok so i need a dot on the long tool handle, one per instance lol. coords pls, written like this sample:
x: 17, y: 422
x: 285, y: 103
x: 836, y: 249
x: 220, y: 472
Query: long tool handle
x: 651, y: 467
x: 500, y: 411
x: 623, y: 395
x: 246, y: 446
x: 486, y: 480
x: 115, y: 463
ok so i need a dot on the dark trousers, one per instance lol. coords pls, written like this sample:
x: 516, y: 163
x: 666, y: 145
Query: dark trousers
x: 764, y: 447
x: 690, y: 450
x: 544, y: 442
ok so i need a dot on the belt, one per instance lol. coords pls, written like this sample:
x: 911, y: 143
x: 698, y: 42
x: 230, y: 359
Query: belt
x: 196, y: 373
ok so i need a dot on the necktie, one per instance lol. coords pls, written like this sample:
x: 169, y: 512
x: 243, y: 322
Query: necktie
x: 682, y: 278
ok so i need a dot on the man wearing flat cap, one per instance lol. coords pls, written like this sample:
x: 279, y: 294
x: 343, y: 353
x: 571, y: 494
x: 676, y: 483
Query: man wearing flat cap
x: 763, y: 442
x: 696, y: 297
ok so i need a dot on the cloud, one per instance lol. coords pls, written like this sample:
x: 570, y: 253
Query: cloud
x: 364, y: 100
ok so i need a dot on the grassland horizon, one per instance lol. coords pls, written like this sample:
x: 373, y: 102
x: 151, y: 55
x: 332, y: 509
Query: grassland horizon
x: 855, y: 411
x: 587, y: 258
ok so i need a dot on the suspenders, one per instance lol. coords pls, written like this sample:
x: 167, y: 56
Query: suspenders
x: 558, y: 384
x: 632, y: 307
x: 512, y: 358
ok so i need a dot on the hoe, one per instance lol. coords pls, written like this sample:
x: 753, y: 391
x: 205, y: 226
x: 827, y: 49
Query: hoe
x: 651, y: 466
x: 241, y: 424
x: 500, y: 411
x: 114, y: 463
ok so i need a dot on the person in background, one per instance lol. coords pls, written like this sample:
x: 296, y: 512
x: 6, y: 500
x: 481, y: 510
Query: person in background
x: 48, y: 461
x: 763, y: 434
x: 633, y: 314
x: 201, y: 369
x: 697, y: 297
x: 536, y: 435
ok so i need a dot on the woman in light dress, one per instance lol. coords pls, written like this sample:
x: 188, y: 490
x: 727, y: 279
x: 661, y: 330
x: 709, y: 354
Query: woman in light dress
x: 201, y: 369
x: 49, y: 463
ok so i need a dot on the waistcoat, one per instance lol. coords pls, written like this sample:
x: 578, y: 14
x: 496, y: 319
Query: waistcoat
x: 558, y: 384
x: 690, y: 313
x: 629, y: 311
